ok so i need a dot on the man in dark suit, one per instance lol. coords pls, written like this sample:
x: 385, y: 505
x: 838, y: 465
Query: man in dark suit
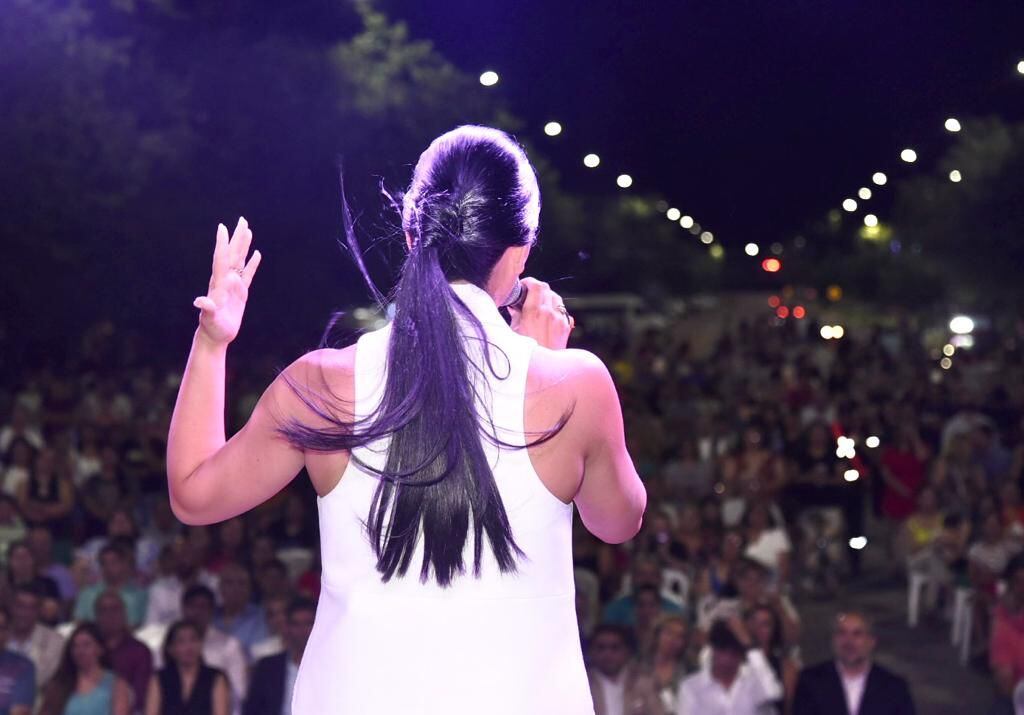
x: 852, y: 684
x: 273, y: 677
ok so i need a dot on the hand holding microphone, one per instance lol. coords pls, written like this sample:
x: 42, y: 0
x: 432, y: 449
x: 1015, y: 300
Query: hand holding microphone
x: 538, y: 312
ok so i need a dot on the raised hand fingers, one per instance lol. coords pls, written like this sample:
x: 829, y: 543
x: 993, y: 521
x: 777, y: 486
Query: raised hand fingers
x: 240, y: 243
x: 250, y: 268
x: 220, y: 252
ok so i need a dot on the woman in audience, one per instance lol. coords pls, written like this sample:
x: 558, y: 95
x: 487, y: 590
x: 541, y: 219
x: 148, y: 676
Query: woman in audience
x: 668, y: 659
x: 85, y: 684
x: 765, y: 629
x: 186, y: 685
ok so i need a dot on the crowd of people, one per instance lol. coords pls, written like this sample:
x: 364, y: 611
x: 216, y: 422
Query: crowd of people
x: 764, y: 458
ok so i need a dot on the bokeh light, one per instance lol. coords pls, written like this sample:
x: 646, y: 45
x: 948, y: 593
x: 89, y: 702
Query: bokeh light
x: 624, y: 181
x: 489, y: 78
x: 870, y: 220
x: 751, y: 249
x: 552, y: 129
x: 849, y: 205
x: 673, y: 214
x: 591, y: 161
x: 955, y: 176
x: 686, y: 222
x: 706, y: 237
x: 864, y: 193
x: 879, y: 178
x: 953, y: 124
x: 961, y: 325
x: 908, y: 155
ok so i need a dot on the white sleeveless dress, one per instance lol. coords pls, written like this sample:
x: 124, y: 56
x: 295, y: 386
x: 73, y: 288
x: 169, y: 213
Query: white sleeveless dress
x: 501, y: 644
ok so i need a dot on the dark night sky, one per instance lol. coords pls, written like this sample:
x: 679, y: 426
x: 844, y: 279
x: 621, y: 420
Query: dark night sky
x: 753, y: 116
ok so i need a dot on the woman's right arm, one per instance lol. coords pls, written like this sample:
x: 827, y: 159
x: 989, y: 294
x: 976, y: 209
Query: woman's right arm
x: 611, y: 498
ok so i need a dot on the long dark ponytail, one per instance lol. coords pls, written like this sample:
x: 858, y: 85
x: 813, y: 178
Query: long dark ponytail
x: 473, y: 195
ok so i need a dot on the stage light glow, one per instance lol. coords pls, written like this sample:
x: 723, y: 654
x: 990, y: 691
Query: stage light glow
x: 955, y: 176
x: 782, y: 311
x: 879, y: 178
x: 774, y: 301
x: 826, y: 332
x: 961, y: 325
x: 624, y: 181
x: 706, y: 237
x: 851, y: 475
x: 870, y: 220
x: 838, y: 332
x: 591, y: 161
x: 751, y: 249
x: 686, y: 222
x: 1020, y: 67
x: 489, y: 78
x: 849, y: 205
x: 864, y: 193
x: 952, y: 124
x: 777, y: 248
x: 948, y: 349
x: 858, y: 542
x: 673, y: 214
x: 552, y: 129
x: 716, y: 251
x: 834, y: 293
x: 771, y: 265
x: 872, y: 442
x: 799, y: 312
x: 945, y: 363
x: 908, y: 155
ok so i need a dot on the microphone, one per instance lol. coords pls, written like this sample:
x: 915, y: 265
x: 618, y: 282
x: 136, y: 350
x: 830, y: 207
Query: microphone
x: 517, y: 297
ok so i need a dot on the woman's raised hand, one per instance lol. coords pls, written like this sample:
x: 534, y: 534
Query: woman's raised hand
x: 543, y: 316
x: 224, y: 302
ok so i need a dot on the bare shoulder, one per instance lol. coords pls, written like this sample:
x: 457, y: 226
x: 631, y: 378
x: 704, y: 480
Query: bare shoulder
x: 578, y: 370
x: 323, y: 376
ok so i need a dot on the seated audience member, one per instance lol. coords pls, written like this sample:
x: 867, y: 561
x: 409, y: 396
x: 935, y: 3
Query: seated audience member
x: 238, y: 615
x: 18, y: 460
x: 272, y: 581
x: 46, y: 498
x: 185, y: 683
x: 273, y: 677
x: 767, y: 542
x: 987, y: 559
x: 17, y: 675
x: 668, y: 658
x: 32, y: 639
x: 852, y: 682
x: 117, y: 570
x: 220, y: 650
x: 40, y: 540
x: 276, y: 609
x: 736, y: 679
x: 179, y: 570
x: 1006, y: 649
x: 645, y: 571
x: 616, y: 681
x: 12, y: 527
x: 765, y: 629
x: 23, y: 572
x: 752, y: 590
x: 84, y: 684
x: 130, y: 659
x: 230, y: 544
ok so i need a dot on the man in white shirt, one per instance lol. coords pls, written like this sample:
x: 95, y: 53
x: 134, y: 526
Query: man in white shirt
x: 616, y: 685
x: 737, y: 680
x: 30, y: 638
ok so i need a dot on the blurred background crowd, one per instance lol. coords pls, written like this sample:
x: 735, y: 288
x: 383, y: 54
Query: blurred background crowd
x: 776, y: 463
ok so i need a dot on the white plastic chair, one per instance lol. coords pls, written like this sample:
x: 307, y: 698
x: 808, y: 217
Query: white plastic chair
x: 917, y: 582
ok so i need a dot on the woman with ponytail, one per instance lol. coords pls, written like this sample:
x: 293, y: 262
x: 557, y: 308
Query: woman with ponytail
x: 448, y: 449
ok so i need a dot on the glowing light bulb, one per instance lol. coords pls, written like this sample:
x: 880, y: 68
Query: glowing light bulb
x: 872, y: 442
x: 851, y: 475
x: 489, y: 78
x: 624, y: 181
x: 591, y: 161
x: 858, y: 542
x: 686, y: 222
x: 751, y: 249
x: 706, y: 237
x: 879, y: 178
x: 952, y: 124
x: 849, y: 205
x: 870, y: 220
x: 908, y: 155
x: 552, y: 129
x: 955, y: 176
x: 673, y: 214
x: 864, y: 193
